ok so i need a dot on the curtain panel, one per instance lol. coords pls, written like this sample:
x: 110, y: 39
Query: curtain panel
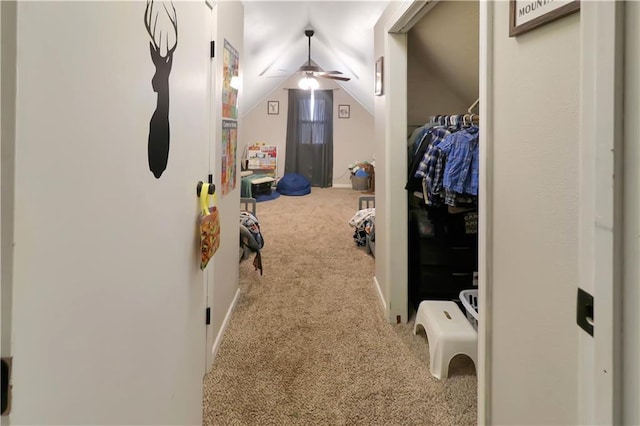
x: 310, y: 136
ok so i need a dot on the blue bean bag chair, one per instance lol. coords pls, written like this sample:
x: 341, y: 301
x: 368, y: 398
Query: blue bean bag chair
x: 293, y: 184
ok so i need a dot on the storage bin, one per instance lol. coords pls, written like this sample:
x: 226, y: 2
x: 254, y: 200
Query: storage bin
x: 469, y: 299
x: 263, y: 188
x: 360, y: 183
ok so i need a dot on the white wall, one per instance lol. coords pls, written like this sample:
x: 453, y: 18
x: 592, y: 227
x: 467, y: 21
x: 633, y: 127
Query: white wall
x: 428, y: 94
x: 352, y: 138
x: 108, y: 301
x: 7, y: 167
x: 391, y: 168
x: 631, y: 296
x: 224, y: 272
x: 535, y: 223
x: 443, y: 61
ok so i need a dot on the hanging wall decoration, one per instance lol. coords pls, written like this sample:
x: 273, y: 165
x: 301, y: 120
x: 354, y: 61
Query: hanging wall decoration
x: 344, y: 111
x: 162, y: 26
x: 229, y: 87
x: 378, y: 77
x: 529, y: 14
x: 229, y: 146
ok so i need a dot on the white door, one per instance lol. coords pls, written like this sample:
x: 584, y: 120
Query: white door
x: 209, y: 272
x: 7, y: 114
x: 599, y: 369
x: 108, y: 306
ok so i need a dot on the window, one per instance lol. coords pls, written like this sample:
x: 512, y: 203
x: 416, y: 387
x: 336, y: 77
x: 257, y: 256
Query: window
x: 313, y: 119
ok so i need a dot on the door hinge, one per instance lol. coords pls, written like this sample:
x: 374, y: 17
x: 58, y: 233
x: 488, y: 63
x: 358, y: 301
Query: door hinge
x: 5, y: 392
x: 213, y: 49
x: 208, y: 316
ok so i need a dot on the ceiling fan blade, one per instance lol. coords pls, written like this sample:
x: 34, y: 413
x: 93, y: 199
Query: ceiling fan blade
x: 334, y: 77
x: 328, y: 72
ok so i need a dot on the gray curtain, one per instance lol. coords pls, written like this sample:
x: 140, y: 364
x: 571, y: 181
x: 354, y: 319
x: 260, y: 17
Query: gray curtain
x: 310, y: 136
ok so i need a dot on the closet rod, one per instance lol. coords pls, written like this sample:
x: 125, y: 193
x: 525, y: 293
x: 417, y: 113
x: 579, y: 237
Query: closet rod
x: 473, y: 105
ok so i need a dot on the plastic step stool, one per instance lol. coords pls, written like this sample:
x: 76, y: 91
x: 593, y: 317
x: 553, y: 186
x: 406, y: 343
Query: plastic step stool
x: 449, y: 334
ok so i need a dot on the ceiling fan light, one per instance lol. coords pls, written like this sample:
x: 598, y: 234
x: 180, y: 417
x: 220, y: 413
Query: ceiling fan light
x: 304, y: 83
x: 308, y: 83
x: 313, y: 83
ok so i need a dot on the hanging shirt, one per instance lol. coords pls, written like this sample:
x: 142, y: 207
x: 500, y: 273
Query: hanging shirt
x: 461, y: 171
x: 438, y: 134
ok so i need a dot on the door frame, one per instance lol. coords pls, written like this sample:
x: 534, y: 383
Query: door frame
x: 401, y: 22
x: 631, y: 219
x: 601, y: 225
x: 601, y: 204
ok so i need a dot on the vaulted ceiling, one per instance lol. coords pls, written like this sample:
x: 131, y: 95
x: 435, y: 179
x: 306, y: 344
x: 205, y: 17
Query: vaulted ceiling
x: 275, y: 45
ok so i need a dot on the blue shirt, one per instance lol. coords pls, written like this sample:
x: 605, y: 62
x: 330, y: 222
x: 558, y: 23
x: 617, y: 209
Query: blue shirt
x: 461, y: 171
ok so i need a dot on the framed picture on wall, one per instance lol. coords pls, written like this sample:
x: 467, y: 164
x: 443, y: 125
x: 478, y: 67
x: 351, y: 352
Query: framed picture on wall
x: 273, y: 107
x: 344, y: 111
x: 378, y: 77
x: 526, y: 15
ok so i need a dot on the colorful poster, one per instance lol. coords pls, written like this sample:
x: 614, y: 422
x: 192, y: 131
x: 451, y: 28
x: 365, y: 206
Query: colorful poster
x: 229, y: 145
x: 230, y: 69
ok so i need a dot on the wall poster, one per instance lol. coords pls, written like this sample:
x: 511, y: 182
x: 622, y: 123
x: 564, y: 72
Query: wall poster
x: 229, y: 146
x: 230, y: 61
x: 527, y: 15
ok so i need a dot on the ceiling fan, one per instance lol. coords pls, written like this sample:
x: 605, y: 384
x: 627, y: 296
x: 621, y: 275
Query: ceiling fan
x: 315, y: 71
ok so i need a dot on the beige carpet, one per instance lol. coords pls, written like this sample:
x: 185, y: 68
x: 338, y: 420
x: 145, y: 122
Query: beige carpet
x: 307, y: 342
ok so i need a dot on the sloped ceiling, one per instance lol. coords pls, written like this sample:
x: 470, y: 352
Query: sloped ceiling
x: 446, y: 42
x: 275, y: 45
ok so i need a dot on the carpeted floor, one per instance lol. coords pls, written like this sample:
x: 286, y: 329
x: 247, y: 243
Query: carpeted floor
x: 307, y: 342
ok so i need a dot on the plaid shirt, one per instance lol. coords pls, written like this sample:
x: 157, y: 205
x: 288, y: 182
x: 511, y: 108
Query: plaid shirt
x: 461, y: 172
x: 428, y: 168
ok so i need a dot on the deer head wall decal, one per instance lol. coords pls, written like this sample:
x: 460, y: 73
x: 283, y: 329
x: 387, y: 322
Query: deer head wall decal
x: 158, y: 145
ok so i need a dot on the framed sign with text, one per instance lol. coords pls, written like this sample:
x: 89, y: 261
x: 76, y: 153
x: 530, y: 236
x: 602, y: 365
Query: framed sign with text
x: 525, y: 15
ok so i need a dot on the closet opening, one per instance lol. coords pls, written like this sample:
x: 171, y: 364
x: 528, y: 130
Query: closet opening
x: 443, y: 153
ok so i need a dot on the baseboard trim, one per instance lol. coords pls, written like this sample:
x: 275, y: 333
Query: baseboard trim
x: 225, y: 323
x: 383, y: 302
x: 342, y: 185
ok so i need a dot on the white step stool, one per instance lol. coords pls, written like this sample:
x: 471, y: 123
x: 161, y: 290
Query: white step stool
x: 449, y: 333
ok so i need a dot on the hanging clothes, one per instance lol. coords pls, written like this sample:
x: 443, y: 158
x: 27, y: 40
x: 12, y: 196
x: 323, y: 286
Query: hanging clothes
x: 450, y: 165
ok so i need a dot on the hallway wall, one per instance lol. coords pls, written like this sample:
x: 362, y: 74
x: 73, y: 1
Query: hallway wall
x: 352, y: 138
x: 7, y: 167
x: 223, y: 273
x: 108, y: 298
x: 535, y: 193
x: 391, y: 168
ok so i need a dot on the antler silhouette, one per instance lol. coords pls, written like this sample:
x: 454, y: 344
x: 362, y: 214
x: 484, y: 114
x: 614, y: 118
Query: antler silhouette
x: 173, y: 18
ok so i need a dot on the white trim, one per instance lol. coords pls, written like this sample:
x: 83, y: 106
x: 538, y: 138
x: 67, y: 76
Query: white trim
x: 225, y: 324
x: 631, y: 296
x: 409, y: 14
x: 599, y: 367
x: 342, y: 185
x: 485, y: 224
x: 383, y: 302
